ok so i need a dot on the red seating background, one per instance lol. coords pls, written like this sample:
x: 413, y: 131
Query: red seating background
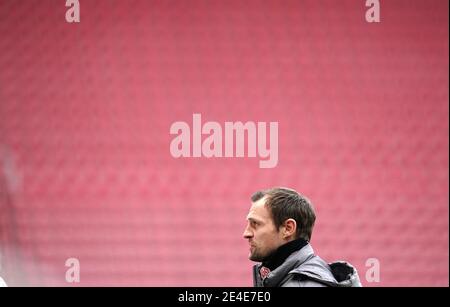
x: 85, y: 112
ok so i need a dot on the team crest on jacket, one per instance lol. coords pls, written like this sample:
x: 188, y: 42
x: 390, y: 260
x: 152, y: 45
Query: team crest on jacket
x: 264, y: 272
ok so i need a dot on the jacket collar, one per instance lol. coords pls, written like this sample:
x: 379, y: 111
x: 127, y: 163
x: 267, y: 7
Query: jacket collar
x: 293, y: 261
x: 282, y: 253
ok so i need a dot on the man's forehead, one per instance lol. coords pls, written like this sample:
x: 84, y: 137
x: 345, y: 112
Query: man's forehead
x: 258, y: 210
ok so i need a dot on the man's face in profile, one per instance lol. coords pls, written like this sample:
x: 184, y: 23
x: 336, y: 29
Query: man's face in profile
x: 261, y: 233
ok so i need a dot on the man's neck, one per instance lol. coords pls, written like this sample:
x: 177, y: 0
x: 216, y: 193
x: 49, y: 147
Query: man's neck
x: 280, y: 254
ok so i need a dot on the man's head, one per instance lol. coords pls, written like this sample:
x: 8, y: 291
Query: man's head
x: 277, y: 216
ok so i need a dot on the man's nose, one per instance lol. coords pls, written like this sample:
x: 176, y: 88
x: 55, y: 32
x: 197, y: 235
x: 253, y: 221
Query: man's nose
x: 247, y: 233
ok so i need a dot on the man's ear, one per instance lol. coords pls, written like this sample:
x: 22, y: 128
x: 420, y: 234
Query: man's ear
x: 290, y: 228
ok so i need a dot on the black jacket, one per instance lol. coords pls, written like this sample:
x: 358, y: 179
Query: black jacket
x: 304, y: 269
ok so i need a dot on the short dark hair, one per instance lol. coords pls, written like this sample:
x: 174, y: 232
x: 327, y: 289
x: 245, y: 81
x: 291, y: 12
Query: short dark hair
x: 285, y: 204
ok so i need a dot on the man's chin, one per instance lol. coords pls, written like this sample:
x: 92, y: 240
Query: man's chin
x: 255, y: 258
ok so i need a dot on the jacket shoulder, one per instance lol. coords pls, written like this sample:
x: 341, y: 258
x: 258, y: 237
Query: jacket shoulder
x: 296, y: 280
